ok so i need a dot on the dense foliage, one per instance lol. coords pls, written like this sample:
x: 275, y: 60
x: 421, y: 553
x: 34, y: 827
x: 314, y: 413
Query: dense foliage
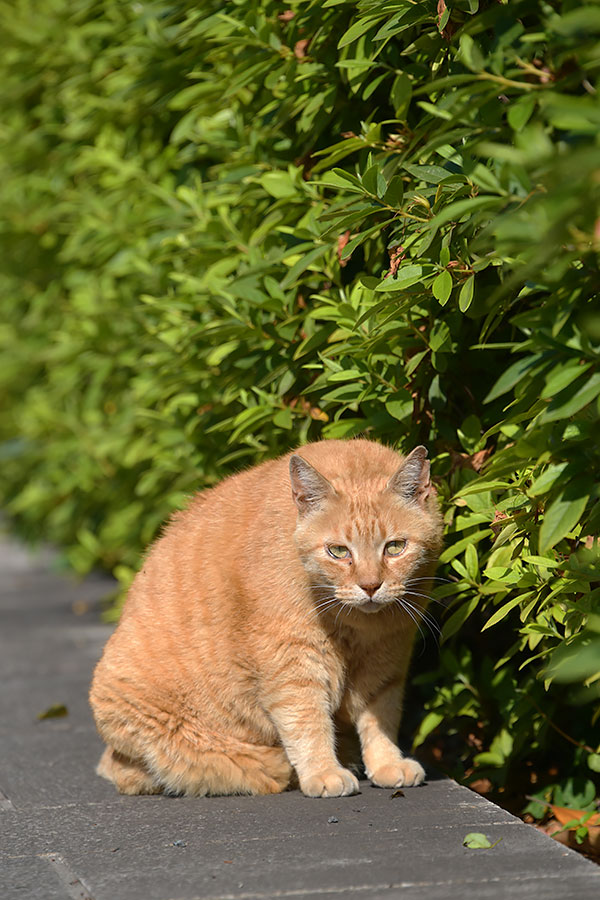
x: 232, y: 227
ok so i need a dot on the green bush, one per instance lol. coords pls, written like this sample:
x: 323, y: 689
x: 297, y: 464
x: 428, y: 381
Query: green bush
x: 230, y: 228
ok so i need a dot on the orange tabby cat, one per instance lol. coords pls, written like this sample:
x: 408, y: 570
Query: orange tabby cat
x: 274, y: 614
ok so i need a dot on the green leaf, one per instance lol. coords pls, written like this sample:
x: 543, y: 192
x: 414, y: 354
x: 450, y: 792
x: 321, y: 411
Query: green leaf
x: 58, y: 710
x: 546, y: 481
x: 520, y: 111
x: 562, y: 376
x: 405, y: 278
x: 278, y: 184
x: 400, y: 405
x: 572, y: 399
x: 369, y: 179
x: 455, y: 211
x: 466, y: 294
x: 283, y: 418
x: 512, y: 376
x: 503, y: 574
x: 303, y: 264
x: 593, y: 762
x: 502, y: 612
x: 357, y: 29
x: 429, y: 724
x: 476, y: 841
x: 359, y: 239
x: 442, y: 287
x: 440, y: 338
x: 338, y: 178
x: 459, y: 617
x: 395, y: 192
x: 576, y: 660
x: 470, y: 53
x: 401, y: 94
x: 430, y: 174
x: 563, y: 514
x: 344, y: 375
x: 337, y: 152
x: 472, y: 561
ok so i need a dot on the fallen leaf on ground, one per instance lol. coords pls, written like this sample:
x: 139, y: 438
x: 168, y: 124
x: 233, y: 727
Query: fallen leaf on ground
x: 590, y: 842
x: 477, y: 841
x: 565, y: 815
x: 54, y: 712
x: 398, y: 793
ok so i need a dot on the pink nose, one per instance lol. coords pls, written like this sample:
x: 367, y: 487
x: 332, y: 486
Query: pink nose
x: 371, y: 587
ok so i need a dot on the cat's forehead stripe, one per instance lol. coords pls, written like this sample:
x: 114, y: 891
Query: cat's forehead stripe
x: 365, y: 526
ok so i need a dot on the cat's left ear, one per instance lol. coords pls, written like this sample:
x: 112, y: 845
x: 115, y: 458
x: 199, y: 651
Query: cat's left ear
x: 309, y: 488
x: 412, y: 481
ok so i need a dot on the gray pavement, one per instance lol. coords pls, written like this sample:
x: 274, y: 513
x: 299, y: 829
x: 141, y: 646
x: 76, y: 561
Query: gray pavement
x: 65, y: 834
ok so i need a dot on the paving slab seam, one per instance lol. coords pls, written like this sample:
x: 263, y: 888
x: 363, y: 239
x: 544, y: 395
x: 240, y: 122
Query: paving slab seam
x: 372, y: 888
x: 74, y: 886
x: 286, y: 835
x: 6, y: 804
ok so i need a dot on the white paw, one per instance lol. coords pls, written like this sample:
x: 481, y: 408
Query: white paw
x: 332, y: 782
x: 403, y: 773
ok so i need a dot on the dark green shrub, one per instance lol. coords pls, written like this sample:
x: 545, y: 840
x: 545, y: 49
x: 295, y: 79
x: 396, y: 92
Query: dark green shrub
x: 231, y: 228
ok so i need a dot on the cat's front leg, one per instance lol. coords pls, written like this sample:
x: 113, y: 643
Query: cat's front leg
x: 377, y: 723
x: 302, y: 717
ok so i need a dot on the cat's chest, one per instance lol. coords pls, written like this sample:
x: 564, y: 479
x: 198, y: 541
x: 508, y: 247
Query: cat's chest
x: 361, y: 667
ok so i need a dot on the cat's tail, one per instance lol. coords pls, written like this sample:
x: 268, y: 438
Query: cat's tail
x: 129, y: 776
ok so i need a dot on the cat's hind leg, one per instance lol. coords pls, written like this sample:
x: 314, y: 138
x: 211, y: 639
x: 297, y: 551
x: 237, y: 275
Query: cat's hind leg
x: 238, y: 769
x: 129, y: 776
x: 151, y: 749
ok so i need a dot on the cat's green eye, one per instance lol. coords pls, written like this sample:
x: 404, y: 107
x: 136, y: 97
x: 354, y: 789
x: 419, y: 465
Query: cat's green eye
x: 338, y: 551
x: 395, y: 548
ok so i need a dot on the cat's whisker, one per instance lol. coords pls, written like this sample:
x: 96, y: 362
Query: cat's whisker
x: 410, y: 590
x: 343, y: 606
x: 416, y: 604
x: 320, y: 612
x: 425, y: 597
x: 427, y: 578
x: 406, y: 609
x: 325, y: 600
x: 423, y: 615
x: 430, y: 622
x: 323, y: 607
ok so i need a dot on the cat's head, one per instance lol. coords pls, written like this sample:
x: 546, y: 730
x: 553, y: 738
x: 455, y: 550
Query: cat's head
x: 367, y: 543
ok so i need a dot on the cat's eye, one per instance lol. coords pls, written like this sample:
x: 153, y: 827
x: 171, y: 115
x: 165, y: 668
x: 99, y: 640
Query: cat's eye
x: 338, y: 551
x: 395, y: 548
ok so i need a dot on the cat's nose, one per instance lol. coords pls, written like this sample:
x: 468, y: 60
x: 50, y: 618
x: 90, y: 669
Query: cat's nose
x: 371, y: 587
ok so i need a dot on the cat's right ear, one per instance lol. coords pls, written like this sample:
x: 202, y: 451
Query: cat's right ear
x: 309, y: 488
x: 412, y: 481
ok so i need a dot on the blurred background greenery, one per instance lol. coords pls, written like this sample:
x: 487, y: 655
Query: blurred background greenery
x: 228, y: 228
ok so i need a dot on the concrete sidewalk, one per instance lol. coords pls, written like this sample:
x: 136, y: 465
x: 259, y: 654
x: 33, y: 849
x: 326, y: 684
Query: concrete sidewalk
x: 66, y: 834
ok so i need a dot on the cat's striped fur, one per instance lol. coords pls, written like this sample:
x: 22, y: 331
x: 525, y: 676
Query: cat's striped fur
x: 246, y: 649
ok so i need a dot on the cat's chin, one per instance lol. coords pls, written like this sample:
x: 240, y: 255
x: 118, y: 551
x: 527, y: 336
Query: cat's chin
x: 371, y: 606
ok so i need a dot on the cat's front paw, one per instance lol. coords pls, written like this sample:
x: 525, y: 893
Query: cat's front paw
x: 403, y: 773
x: 332, y: 782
